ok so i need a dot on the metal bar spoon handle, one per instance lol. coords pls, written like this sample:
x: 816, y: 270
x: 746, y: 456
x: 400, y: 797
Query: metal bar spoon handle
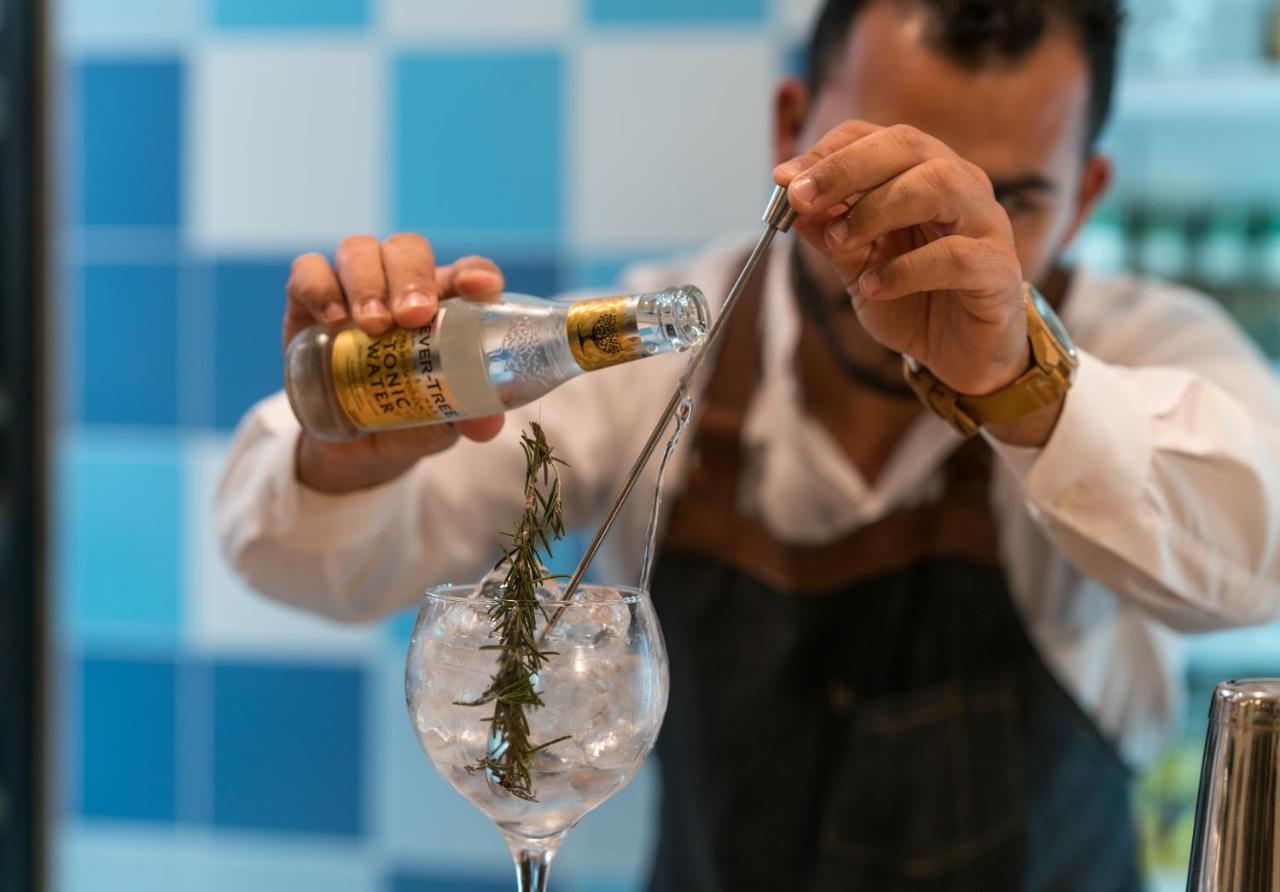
x: 778, y: 217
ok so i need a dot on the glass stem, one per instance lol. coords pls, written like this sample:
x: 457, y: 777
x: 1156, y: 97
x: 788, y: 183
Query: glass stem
x: 533, y: 860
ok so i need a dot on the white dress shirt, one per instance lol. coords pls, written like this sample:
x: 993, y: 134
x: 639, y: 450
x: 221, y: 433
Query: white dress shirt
x: 1154, y: 509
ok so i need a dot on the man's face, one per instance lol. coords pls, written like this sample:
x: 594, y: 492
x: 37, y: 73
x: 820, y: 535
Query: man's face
x: 1024, y: 123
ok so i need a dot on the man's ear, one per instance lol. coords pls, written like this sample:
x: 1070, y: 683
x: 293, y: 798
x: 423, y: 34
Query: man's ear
x: 790, y: 108
x: 1094, y: 185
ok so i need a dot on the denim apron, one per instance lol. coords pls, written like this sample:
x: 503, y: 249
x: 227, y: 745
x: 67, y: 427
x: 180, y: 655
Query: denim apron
x: 868, y: 713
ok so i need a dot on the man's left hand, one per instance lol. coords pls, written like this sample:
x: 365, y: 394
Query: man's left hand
x: 923, y: 246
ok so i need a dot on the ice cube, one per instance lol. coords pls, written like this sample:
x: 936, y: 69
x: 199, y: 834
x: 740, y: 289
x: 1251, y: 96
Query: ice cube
x: 493, y: 583
x: 597, y: 616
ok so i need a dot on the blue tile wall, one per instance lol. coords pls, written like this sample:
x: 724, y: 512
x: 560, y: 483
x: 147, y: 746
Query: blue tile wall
x: 127, y: 718
x: 121, y: 544
x: 128, y: 361
x: 539, y: 278
x: 477, y: 147
x: 249, y: 299
x: 289, y: 13
x: 289, y: 748
x: 130, y: 142
x: 448, y: 882
x: 681, y: 12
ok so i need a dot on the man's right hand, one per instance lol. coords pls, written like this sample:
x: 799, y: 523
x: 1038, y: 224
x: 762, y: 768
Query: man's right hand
x: 375, y: 286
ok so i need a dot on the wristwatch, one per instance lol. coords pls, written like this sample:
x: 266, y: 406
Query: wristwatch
x: 1053, y: 368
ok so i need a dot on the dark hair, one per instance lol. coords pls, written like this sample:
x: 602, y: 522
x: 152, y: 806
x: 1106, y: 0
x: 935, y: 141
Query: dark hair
x: 977, y: 33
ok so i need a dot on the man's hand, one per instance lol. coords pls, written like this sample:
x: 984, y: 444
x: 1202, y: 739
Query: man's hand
x: 924, y: 249
x: 378, y: 285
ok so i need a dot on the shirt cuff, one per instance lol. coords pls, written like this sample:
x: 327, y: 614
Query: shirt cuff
x: 1099, y: 452
x: 306, y: 519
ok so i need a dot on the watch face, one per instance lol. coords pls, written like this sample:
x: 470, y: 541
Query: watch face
x: 1053, y: 323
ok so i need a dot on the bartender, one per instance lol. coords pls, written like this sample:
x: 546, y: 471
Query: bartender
x: 923, y: 624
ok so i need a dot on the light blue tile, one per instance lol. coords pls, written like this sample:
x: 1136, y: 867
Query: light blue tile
x: 118, y: 857
x: 478, y: 147
x: 270, y: 865
x: 124, y: 24
x: 677, y: 12
x: 120, y: 538
x: 409, y: 880
x: 399, y: 628
x: 290, y: 13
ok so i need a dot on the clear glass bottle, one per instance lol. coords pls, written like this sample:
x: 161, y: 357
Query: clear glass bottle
x: 477, y: 359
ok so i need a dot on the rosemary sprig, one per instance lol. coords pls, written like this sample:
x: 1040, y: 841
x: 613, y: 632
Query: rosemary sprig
x: 515, y: 614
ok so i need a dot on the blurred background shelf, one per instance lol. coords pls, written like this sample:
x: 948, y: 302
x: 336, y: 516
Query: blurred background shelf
x: 1251, y: 93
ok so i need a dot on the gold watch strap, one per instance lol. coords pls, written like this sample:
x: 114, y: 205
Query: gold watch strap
x: 1048, y: 378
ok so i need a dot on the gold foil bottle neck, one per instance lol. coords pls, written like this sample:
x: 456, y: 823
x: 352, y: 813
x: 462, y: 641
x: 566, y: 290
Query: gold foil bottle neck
x: 603, y: 332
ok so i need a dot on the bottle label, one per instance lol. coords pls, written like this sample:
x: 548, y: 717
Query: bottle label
x: 603, y: 332
x: 394, y: 379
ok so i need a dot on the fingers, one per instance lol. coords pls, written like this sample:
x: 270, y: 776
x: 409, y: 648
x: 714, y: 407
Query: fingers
x: 415, y: 442
x: 955, y: 263
x: 860, y: 166
x: 938, y: 192
x: 480, y: 429
x: 475, y: 278
x: 312, y: 295
x: 410, y: 269
x: 834, y: 140
x: 359, y: 267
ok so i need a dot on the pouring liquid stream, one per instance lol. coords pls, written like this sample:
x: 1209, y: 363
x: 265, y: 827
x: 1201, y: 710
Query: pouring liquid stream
x: 651, y: 533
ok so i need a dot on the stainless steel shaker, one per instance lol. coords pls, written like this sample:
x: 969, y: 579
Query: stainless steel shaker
x: 1236, y: 847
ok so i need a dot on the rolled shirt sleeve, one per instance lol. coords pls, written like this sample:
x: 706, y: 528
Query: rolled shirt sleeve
x: 1162, y: 481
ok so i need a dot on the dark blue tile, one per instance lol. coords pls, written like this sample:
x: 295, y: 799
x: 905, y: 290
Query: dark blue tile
x: 477, y: 146
x: 288, y: 748
x: 128, y: 733
x: 65, y: 793
x: 796, y: 60
x: 656, y: 12
x: 249, y: 304
x: 128, y: 357
x: 408, y: 881
x: 289, y: 13
x: 131, y: 142
x: 597, y: 271
x: 541, y: 278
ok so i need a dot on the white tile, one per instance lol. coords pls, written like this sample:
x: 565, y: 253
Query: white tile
x: 486, y: 19
x: 150, y: 859
x: 223, y: 615
x: 797, y: 16
x: 270, y: 865
x: 120, y: 858
x: 103, y: 25
x: 286, y: 144
x: 670, y: 139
